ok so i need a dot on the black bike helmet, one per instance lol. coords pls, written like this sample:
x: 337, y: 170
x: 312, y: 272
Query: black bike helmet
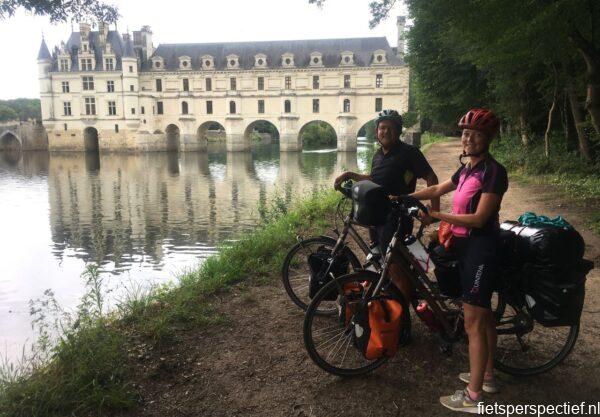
x: 392, y: 115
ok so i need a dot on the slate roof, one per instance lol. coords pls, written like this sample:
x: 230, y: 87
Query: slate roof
x: 44, y: 53
x: 330, y: 49
x: 118, y: 47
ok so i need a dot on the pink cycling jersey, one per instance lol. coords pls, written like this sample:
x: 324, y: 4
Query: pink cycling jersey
x: 487, y: 176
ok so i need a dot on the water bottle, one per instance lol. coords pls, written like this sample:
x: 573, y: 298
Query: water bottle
x: 418, y: 251
x: 426, y: 314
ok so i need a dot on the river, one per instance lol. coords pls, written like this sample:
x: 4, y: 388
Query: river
x: 143, y: 218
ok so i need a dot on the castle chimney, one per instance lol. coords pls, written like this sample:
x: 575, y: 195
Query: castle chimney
x: 401, y: 22
x: 84, y: 30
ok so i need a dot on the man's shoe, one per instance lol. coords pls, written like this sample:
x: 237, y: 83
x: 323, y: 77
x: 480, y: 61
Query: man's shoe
x: 490, y: 386
x: 461, y: 401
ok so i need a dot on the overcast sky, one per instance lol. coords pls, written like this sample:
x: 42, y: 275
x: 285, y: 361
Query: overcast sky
x: 174, y: 21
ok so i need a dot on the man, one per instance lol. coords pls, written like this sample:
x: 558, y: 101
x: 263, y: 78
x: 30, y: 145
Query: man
x: 396, y: 167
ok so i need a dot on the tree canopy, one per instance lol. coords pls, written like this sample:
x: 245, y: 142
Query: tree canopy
x: 61, y: 10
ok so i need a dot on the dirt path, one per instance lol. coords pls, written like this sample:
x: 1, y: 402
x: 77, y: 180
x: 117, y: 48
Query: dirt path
x: 255, y: 364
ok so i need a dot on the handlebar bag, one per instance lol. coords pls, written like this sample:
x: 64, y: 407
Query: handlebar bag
x: 318, y: 263
x: 377, y: 327
x: 371, y: 204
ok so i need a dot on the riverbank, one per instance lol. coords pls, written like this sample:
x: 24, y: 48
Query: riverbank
x: 90, y: 370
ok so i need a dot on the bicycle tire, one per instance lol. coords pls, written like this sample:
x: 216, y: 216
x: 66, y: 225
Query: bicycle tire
x: 311, y: 315
x: 563, y: 352
x: 302, y: 300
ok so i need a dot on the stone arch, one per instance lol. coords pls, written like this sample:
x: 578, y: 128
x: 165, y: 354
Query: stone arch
x: 211, y: 131
x: 172, y: 136
x: 367, y: 133
x: 317, y: 134
x: 10, y: 142
x: 90, y: 139
x: 261, y: 126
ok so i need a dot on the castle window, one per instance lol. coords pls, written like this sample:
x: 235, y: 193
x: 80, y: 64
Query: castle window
x: 142, y: 110
x: 88, y: 83
x: 232, y: 61
x: 346, y: 81
x: 379, y: 57
x: 112, y: 108
x: 131, y: 87
x: 379, y: 80
x: 184, y: 62
x: 315, y: 105
x: 261, y: 83
x: 66, y: 126
x: 232, y: 84
x: 186, y: 84
x: 316, y: 59
x: 110, y: 86
x: 159, y: 107
x: 287, y: 60
x: 67, y: 108
x: 207, y: 62
x: 131, y: 68
x: 346, y: 105
x: 287, y: 106
x: 261, y: 106
x: 288, y: 82
x: 260, y: 60
x: 65, y: 86
x: 184, y: 107
x: 86, y: 64
x: 157, y: 64
x: 133, y: 110
x: 109, y: 64
x: 232, y: 107
x: 158, y: 84
x: 315, y: 82
x: 209, y: 84
x: 378, y: 104
x: 64, y: 65
x: 90, y: 106
x: 209, y: 107
x: 116, y: 128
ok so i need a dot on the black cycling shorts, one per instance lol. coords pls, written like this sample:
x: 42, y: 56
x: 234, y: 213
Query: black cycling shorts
x: 478, y: 268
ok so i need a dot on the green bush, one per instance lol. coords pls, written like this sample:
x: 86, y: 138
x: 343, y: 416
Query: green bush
x: 318, y: 134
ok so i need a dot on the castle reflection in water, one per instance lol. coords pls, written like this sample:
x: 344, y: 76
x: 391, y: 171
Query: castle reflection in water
x: 130, y: 209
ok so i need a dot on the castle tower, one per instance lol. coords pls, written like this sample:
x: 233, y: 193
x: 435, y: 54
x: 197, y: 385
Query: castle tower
x: 44, y: 61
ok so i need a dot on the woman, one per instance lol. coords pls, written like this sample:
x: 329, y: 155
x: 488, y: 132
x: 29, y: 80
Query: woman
x: 480, y: 184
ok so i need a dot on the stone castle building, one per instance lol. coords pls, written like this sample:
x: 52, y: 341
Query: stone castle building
x: 110, y: 92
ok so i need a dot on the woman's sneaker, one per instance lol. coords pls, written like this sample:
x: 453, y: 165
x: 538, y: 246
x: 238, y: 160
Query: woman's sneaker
x: 461, y: 401
x: 490, y: 386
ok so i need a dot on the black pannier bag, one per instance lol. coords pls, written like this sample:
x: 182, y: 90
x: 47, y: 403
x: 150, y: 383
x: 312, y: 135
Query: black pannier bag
x: 446, y: 270
x: 552, y: 269
x: 543, y: 245
x: 371, y: 204
x: 556, y: 298
x: 318, y: 262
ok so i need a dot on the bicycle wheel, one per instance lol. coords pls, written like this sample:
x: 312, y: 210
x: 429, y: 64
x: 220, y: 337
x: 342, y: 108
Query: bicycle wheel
x: 295, y: 272
x: 329, y: 339
x: 534, y: 349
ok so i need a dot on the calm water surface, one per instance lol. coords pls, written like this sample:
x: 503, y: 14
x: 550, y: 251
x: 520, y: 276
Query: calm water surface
x: 143, y: 218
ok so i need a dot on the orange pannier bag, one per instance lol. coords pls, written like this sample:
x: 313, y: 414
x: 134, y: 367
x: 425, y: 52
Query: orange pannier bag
x: 353, y: 292
x: 377, y: 327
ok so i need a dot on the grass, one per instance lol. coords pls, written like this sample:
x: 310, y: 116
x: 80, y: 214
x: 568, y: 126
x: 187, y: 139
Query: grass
x: 88, y: 370
x: 564, y: 169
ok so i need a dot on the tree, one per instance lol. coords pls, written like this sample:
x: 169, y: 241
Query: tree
x: 61, y: 10
x: 7, y: 114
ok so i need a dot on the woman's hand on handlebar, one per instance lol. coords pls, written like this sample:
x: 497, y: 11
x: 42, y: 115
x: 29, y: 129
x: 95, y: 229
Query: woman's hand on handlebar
x: 426, y: 218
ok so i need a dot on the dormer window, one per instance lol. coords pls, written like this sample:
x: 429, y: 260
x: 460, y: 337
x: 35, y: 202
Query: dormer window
x: 85, y: 47
x: 260, y: 61
x: 316, y: 59
x: 347, y: 58
x: 64, y: 64
x: 233, y: 61
x: 287, y: 60
x: 86, y: 64
x: 157, y: 63
x: 208, y: 62
x: 185, y: 63
x: 109, y: 64
x: 379, y: 57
